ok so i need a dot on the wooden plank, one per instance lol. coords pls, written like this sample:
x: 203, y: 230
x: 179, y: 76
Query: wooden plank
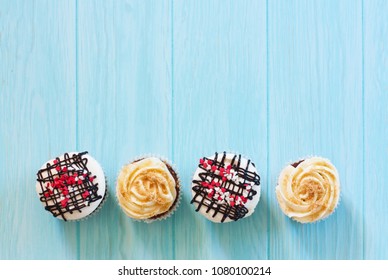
x: 315, y: 103
x: 219, y: 97
x: 124, y: 110
x: 37, y: 122
x: 376, y: 122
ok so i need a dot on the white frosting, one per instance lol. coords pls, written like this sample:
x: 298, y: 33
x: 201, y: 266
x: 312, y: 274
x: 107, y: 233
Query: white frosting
x: 249, y: 205
x: 95, y: 168
x: 309, y: 192
x: 146, y: 188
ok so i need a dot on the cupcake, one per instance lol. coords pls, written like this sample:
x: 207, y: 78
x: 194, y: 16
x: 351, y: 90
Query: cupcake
x: 71, y: 186
x: 308, y: 190
x: 225, y: 187
x: 148, y: 189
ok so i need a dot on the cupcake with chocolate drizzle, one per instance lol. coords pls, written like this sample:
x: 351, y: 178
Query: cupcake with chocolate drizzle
x: 225, y: 187
x: 71, y: 186
x: 308, y: 190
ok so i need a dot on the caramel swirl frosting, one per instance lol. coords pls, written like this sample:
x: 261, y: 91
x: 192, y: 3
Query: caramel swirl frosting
x: 146, y: 188
x: 308, y: 191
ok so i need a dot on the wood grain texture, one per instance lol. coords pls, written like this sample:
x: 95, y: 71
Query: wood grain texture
x: 315, y: 104
x: 124, y: 111
x: 376, y: 122
x: 273, y: 80
x: 219, y: 105
x: 37, y: 122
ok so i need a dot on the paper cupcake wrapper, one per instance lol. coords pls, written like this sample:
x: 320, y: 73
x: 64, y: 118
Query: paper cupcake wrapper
x: 178, y: 199
x: 318, y: 220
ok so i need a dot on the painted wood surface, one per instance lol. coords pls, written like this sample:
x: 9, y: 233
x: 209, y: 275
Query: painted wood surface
x: 273, y: 80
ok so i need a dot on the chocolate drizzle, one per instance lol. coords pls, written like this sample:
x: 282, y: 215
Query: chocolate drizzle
x: 61, y: 192
x: 202, y: 199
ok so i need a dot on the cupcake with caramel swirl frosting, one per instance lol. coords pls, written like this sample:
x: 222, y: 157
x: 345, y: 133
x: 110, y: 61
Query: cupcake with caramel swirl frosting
x: 308, y: 190
x: 148, y: 189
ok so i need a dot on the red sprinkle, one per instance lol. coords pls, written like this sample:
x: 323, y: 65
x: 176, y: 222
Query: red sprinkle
x: 55, y: 161
x: 210, y: 194
x: 58, y: 168
x: 85, y: 194
x: 91, y: 179
x: 232, y: 203
x: 222, y: 169
x: 201, y: 161
x: 222, y: 173
x: 210, y: 162
x: 64, y: 169
x: 46, y: 194
x: 79, y: 182
x: 64, y: 202
x: 214, y: 168
x: 204, y: 165
x: 218, y: 184
x: 224, y: 179
x: 219, y: 198
x: 229, y: 167
x: 213, y: 183
x: 204, y: 184
x: 65, y: 191
x: 223, y: 189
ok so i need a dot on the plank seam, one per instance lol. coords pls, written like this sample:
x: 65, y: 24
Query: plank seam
x: 363, y: 128
x: 267, y: 105
x: 78, y: 228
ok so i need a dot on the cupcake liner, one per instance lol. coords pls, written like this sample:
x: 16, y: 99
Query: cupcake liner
x: 178, y: 199
x: 229, y: 151
x: 291, y: 162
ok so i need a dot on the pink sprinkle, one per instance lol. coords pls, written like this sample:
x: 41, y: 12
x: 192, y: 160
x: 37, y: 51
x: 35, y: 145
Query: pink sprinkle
x: 58, y: 168
x: 224, y: 179
x: 214, y: 168
x: 223, y: 189
x: 222, y: 169
x: 222, y: 173
x: 204, y: 165
x: 91, y: 179
x: 229, y: 167
x: 213, y: 183
x: 218, y: 184
x: 219, y: 198
x: 64, y: 169
x: 210, y: 194
x: 55, y: 161
x: 46, y: 194
x: 201, y: 161
x: 204, y: 184
x: 232, y: 203
x: 210, y: 162
x: 79, y: 182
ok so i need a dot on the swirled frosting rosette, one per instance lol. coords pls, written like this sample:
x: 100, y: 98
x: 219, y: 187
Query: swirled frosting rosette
x: 148, y: 189
x: 308, y: 190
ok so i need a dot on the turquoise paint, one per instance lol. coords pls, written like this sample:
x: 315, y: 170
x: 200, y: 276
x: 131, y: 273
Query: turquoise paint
x: 274, y: 80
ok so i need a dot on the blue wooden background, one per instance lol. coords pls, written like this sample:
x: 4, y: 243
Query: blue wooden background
x: 275, y: 80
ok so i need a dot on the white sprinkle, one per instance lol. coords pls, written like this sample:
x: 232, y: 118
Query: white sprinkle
x: 252, y: 184
x: 216, y: 196
x: 216, y: 189
x: 81, y: 177
x: 248, y: 187
x: 245, y: 193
